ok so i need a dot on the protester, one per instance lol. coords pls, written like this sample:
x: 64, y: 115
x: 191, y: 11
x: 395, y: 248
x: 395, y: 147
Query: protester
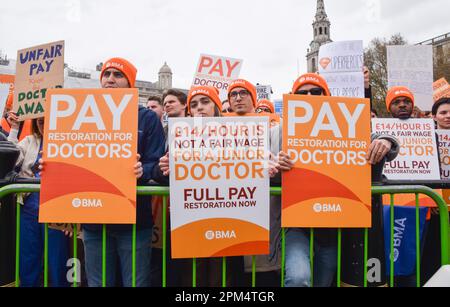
x: 441, y: 113
x: 298, y: 270
x: 154, y: 103
x: 24, y: 128
x: 431, y: 258
x: 265, y: 106
x: 120, y: 73
x: 373, y: 113
x: 174, y: 103
x: 226, y: 108
x: 31, y: 232
x: 367, y: 85
x: 400, y: 102
x: 242, y: 97
x: 205, y: 102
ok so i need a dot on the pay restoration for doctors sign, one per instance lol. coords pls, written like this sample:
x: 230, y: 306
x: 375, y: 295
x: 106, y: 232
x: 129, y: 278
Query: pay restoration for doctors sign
x: 89, y: 147
x: 327, y: 139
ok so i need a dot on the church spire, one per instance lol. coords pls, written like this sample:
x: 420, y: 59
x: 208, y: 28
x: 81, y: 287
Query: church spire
x: 321, y: 35
x: 320, y: 13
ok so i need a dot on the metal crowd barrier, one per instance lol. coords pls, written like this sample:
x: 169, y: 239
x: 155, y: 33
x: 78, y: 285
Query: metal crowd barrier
x: 164, y: 192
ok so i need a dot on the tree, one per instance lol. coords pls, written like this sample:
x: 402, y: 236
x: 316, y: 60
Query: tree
x: 441, y: 61
x: 375, y: 57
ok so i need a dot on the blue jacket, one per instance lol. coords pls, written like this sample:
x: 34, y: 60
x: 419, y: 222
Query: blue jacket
x: 151, y: 142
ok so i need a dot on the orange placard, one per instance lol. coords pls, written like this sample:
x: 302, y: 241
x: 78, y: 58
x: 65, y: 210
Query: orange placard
x: 327, y: 139
x: 441, y: 89
x: 90, y: 145
x: 8, y: 79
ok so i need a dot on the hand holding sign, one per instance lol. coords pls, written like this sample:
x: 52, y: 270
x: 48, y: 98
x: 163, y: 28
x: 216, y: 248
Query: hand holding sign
x: 164, y: 165
x: 377, y: 151
x: 13, y: 120
x: 138, y: 170
x: 284, y: 162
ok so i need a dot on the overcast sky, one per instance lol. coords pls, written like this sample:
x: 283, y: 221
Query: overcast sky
x: 270, y: 36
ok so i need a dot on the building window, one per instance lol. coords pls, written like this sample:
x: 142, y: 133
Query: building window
x: 325, y: 31
x: 313, y: 68
x: 320, y: 30
x: 315, y: 32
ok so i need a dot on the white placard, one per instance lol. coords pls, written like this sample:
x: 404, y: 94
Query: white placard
x: 341, y: 64
x: 263, y: 92
x: 412, y: 66
x: 218, y: 72
x: 219, y: 185
x: 418, y: 156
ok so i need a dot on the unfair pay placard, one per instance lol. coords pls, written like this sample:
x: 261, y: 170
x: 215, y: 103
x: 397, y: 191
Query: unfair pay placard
x: 219, y: 186
x: 327, y: 139
x: 90, y: 145
x: 418, y: 156
x: 38, y: 69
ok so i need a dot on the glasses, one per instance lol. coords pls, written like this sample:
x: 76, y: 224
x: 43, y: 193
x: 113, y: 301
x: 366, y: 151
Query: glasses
x: 242, y: 94
x: 262, y: 110
x: 317, y: 91
x: 116, y: 74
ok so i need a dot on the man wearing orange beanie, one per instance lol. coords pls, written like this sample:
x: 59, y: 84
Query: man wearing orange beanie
x: 311, y: 84
x: 265, y: 106
x: 204, y: 101
x: 298, y: 270
x: 119, y: 73
x: 242, y: 97
x: 400, y: 102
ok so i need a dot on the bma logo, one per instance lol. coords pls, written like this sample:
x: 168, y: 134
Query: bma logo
x: 327, y: 208
x: 86, y: 203
x: 220, y: 234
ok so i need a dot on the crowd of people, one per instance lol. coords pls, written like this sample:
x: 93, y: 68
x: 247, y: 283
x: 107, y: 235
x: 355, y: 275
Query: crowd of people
x: 153, y: 165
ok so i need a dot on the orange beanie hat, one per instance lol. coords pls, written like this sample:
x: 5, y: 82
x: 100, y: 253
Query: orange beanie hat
x: 266, y: 103
x: 244, y: 84
x: 124, y: 66
x: 314, y: 79
x: 208, y: 91
x: 396, y: 92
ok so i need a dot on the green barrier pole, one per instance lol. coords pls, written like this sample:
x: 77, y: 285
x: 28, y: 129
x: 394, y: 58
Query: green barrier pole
x: 417, y: 242
x: 224, y: 272
x: 17, y: 244
x: 104, y: 256
x: 283, y: 255
x: 46, y: 256
x: 253, y: 271
x: 339, y: 249
x: 366, y: 253
x: 311, y: 255
x: 194, y: 272
x: 391, y: 257
x: 133, y: 260
x: 75, y: 254
x: 164, y: 243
